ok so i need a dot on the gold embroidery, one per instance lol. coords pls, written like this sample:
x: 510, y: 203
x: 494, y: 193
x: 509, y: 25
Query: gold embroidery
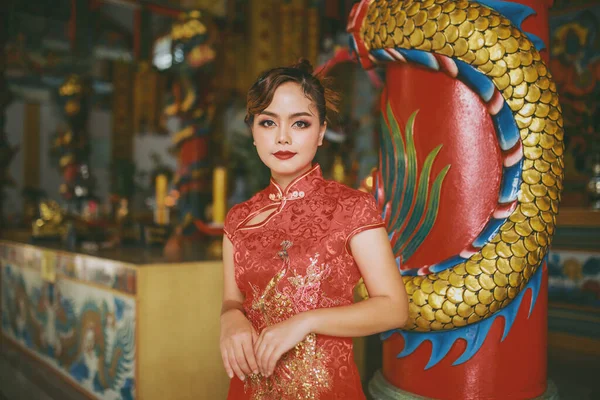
x: 272, y: 305
x: 301, y: 372
x: 308, y: 288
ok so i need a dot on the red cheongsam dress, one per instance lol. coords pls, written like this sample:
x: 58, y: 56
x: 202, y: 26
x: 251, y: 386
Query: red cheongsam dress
x: 296, y: 260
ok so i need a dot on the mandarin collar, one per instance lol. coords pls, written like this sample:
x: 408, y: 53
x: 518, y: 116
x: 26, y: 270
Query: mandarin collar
x: 299, y: 188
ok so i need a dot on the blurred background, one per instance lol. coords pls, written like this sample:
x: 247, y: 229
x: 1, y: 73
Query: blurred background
x: 122, y: 138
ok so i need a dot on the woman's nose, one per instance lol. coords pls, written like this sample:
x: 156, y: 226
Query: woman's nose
x: 283, y: 136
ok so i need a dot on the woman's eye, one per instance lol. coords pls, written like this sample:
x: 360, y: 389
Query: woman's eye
x: 302, y: 124
x: 267, y: 123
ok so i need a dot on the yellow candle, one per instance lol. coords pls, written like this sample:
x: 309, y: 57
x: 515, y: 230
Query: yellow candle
x: 339, y: 172
x: 161, y: 215
x: 219, y: 194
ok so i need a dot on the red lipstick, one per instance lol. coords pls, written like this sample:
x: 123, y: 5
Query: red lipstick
x: 284, y: 155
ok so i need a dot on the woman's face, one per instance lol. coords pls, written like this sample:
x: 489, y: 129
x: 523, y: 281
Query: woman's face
x: 288, y: 132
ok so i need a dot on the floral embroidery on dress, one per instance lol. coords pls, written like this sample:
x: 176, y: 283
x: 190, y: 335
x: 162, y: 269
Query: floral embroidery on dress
x: 307, y: 291
x: 301, y: 373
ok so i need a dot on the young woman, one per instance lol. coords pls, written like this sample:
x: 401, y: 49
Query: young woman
x: 292, y: 255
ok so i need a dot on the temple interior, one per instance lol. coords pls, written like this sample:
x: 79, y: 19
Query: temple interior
x: 123, y: 146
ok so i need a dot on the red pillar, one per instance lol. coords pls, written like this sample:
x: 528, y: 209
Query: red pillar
x: 450, y: 114
x: 514, y: 369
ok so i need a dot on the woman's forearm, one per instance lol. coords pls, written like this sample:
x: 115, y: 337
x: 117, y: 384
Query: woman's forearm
x: 374, y: 315
x: 229, y: 305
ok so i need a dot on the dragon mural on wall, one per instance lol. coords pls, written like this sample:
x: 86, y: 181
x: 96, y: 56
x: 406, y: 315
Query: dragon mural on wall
x: 91, y: 342
x: 516, y: 121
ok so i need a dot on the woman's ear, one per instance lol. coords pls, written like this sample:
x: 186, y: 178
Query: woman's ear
x: 322, y: 130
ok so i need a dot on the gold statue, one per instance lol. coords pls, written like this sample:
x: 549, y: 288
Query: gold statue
x: 51, y: 222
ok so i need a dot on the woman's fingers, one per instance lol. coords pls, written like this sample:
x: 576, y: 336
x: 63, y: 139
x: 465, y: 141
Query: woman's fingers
x: 241, y: 360
x: 238, y: 356
x: 249, y: 353
x: 264, y: 358
x: 234, y: 364
x: 272, y: 361
x: 257, y: 343
x: 258, y: 349
x: 225, y: 358
x: 262, y: 353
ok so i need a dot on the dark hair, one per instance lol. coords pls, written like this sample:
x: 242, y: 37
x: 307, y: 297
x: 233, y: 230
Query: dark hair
x: 261, y: 93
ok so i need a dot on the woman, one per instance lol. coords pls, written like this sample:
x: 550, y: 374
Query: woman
x: 292, y: 255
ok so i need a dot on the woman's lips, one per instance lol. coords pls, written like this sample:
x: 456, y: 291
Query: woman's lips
x: 284, y: 155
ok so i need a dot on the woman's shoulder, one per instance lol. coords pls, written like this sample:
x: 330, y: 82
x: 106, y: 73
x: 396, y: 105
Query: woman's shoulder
x: 241, y: 210
x: 346, y: 193
x: 235, y: 216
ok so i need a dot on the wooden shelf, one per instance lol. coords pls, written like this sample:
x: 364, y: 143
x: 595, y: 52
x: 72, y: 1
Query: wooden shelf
x: 578, y: 217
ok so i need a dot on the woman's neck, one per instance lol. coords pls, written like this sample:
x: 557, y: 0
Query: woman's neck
x: 283, y: 181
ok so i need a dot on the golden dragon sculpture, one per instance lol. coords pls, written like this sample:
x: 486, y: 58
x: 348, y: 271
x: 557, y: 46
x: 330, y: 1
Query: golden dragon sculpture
x: 488, y: 280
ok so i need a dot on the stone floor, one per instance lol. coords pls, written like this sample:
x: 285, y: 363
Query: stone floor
x: 577, y: 377
x: 21, y: 378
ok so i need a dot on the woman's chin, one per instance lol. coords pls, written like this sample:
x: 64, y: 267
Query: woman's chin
x: 288, y: 167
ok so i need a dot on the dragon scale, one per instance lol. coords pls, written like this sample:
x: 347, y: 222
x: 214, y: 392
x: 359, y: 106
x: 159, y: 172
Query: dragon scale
x: 481, y: 37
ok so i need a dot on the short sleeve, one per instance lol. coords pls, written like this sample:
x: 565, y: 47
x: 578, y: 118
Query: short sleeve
x: 231, y: 222
x: 365, y: 216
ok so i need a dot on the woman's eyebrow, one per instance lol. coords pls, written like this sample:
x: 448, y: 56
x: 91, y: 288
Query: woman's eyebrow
x: 301, y: 114
x: 294, y: 115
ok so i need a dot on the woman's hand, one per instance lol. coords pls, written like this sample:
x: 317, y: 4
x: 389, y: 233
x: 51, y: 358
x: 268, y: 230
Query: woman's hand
x: 237, y: 340
x: 275, y: 340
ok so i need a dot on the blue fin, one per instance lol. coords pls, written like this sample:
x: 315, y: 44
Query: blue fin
x: 474, y: 335
x: 447, y: 263
x: 513, y: 11
x: 516, y: 13
x: 537, y: 41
